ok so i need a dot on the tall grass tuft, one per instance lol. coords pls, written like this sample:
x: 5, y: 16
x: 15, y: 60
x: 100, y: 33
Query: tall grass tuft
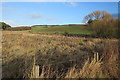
x: 106, y: 67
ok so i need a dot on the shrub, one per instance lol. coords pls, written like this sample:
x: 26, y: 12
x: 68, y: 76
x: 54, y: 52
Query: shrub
x: 90, y: 21
x: 4, y: 25
x: 66, y: 33
x: 105, y: 28
x: 56, y: 32
x: 49, y: 42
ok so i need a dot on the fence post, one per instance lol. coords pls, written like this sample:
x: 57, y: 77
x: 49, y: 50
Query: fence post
x: 97, y: 56
x: 36, y: 71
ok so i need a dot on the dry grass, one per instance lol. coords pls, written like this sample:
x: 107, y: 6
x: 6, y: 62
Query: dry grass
x: 58, y: 56
x: 106, y: 67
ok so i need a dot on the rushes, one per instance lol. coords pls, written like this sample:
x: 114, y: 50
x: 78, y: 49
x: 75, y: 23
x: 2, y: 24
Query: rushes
x: 106, y: 67
x: 59, y: 59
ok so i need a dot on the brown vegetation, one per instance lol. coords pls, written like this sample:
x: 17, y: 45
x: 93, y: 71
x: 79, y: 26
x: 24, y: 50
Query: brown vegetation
x: 18, y: 28
x: 96, y: 15
x: 58, y: 56
x: 106, y: 28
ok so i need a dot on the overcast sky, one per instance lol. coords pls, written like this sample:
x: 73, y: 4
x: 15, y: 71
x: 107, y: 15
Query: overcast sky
x: 45, y: 13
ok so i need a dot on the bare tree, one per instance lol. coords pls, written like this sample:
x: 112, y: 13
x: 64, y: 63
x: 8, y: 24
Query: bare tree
x: 106, y: 15
x: 96, y: 15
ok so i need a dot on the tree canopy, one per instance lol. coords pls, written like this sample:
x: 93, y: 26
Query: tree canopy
x: 96, y: 15
x: 102, y: 24
x: 4, y: 25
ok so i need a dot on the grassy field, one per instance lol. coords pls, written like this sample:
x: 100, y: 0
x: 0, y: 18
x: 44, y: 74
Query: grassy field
x: 58, y: 56
x: 63, y: 29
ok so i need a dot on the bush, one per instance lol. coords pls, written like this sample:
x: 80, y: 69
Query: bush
x: 4, y: 25
x: 49, y: 42
x: 105, y: 28
x: 56, y: 32
x: 66, y: 33
x: 90, y: 21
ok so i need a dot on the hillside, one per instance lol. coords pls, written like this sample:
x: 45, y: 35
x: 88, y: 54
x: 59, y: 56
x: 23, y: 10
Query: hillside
x: 78, y: 29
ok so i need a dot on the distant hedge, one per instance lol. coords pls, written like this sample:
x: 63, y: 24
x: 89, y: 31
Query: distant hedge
x: 18, y: 28
x: 4, y: 25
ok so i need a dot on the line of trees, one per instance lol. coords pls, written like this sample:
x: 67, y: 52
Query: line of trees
x: 97, y: 15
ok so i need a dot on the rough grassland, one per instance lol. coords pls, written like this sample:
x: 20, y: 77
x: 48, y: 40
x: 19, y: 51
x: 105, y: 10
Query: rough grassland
x: 63, y: 29
x: 57, y: 55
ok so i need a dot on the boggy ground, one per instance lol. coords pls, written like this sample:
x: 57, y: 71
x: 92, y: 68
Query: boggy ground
x: 58, y: 56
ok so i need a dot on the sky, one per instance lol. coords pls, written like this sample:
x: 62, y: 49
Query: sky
x: 51, y: 13
x: 60, y: 0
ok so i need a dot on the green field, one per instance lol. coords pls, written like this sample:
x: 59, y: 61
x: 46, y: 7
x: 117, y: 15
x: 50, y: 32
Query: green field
x: 63, y: 29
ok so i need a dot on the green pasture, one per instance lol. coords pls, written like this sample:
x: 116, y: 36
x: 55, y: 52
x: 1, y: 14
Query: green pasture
x: 62, y: 29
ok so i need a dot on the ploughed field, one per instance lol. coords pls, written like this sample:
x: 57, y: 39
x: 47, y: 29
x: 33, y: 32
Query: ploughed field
x: 57, y: 55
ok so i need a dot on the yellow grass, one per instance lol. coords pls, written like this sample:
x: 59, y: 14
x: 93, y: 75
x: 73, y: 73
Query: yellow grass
x: 57, y: 55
